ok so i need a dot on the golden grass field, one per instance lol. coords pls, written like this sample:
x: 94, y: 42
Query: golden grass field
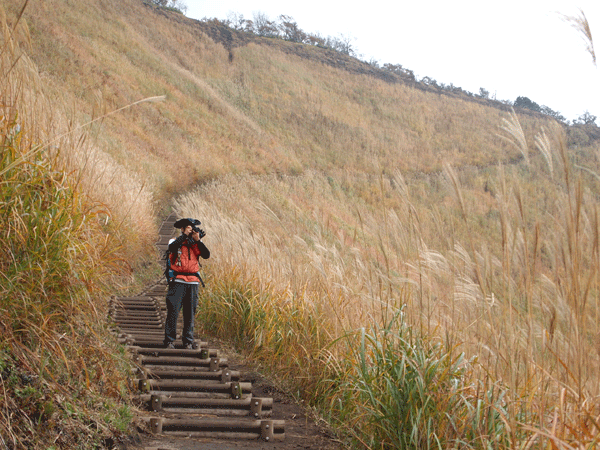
x: 420, y: 269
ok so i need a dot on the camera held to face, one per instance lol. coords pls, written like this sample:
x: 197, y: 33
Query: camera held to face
x: 200, y: 231
x: 195, y: 229
x: 194, y: 223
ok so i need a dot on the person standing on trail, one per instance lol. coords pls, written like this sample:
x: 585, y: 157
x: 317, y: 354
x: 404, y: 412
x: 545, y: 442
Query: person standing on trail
x: 183, y: 256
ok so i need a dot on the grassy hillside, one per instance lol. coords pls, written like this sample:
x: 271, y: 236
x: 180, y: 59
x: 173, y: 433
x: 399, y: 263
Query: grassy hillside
x: 422, y: 268
x: 258, y: 107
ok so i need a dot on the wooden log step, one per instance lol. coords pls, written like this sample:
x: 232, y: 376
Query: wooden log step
x: 233, y: 388
x: 142, y: 299
x: 226, y: 403
x: 152, y: 341
x: 142, y: 320
x: 213, y: 363
x: 145, y: 300
x: 135, y: 314
x: 134, y: 305
x: 219, y: 428
x: 137, y: 307
x: 202, y: 353
x: 145, y: 334
x: 133, y: 299
x: 218, y: 412
x: 187, y: 373
x: 197, y: 394
x: 146, y: 339
x: 139, y: 313
x: 153, y: 336
x: 140, y: 326
x: 148, y: 324
x: 152, y: 321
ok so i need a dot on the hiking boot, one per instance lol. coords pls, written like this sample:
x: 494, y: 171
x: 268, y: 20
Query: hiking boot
x: 170, y: 345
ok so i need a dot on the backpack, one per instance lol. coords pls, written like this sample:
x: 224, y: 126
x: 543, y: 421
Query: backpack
x: 170, y: 274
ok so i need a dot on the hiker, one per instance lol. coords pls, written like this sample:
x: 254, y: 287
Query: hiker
x: 183, y: 254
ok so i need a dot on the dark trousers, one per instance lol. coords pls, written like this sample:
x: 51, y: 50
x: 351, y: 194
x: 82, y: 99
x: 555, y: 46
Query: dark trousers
x: 181, y: 296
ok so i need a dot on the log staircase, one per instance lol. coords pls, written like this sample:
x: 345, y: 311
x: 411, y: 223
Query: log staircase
x: 190, y: 393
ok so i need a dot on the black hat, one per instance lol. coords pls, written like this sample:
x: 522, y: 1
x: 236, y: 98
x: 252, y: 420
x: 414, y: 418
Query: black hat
x: 181, y: 223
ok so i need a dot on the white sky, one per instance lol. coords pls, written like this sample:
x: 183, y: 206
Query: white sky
x: 511, y: 48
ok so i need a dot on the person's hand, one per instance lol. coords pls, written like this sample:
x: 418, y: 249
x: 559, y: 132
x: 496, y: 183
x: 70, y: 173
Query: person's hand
x: 196, y: 236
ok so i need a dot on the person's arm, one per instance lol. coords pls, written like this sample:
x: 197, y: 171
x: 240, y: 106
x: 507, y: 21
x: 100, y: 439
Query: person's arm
x: 177, y: 243
x: 204, y: 251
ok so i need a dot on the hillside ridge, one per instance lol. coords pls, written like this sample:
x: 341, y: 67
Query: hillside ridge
x: 231, y: 38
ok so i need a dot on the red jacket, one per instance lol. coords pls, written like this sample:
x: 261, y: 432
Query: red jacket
x: 184, y: 257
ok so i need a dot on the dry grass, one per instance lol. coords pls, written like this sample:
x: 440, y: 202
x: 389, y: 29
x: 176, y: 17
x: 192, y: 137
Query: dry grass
x: 66, y: 238
x: 265, y: 110
x: 499, y: 264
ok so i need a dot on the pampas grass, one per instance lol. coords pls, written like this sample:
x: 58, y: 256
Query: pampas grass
x: 509, y: 290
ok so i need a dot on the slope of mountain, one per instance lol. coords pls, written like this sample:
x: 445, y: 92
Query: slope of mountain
x: 346, y: 208
x: 237, y: 103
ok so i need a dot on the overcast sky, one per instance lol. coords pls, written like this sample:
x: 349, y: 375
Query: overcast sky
x: 511, y: 48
